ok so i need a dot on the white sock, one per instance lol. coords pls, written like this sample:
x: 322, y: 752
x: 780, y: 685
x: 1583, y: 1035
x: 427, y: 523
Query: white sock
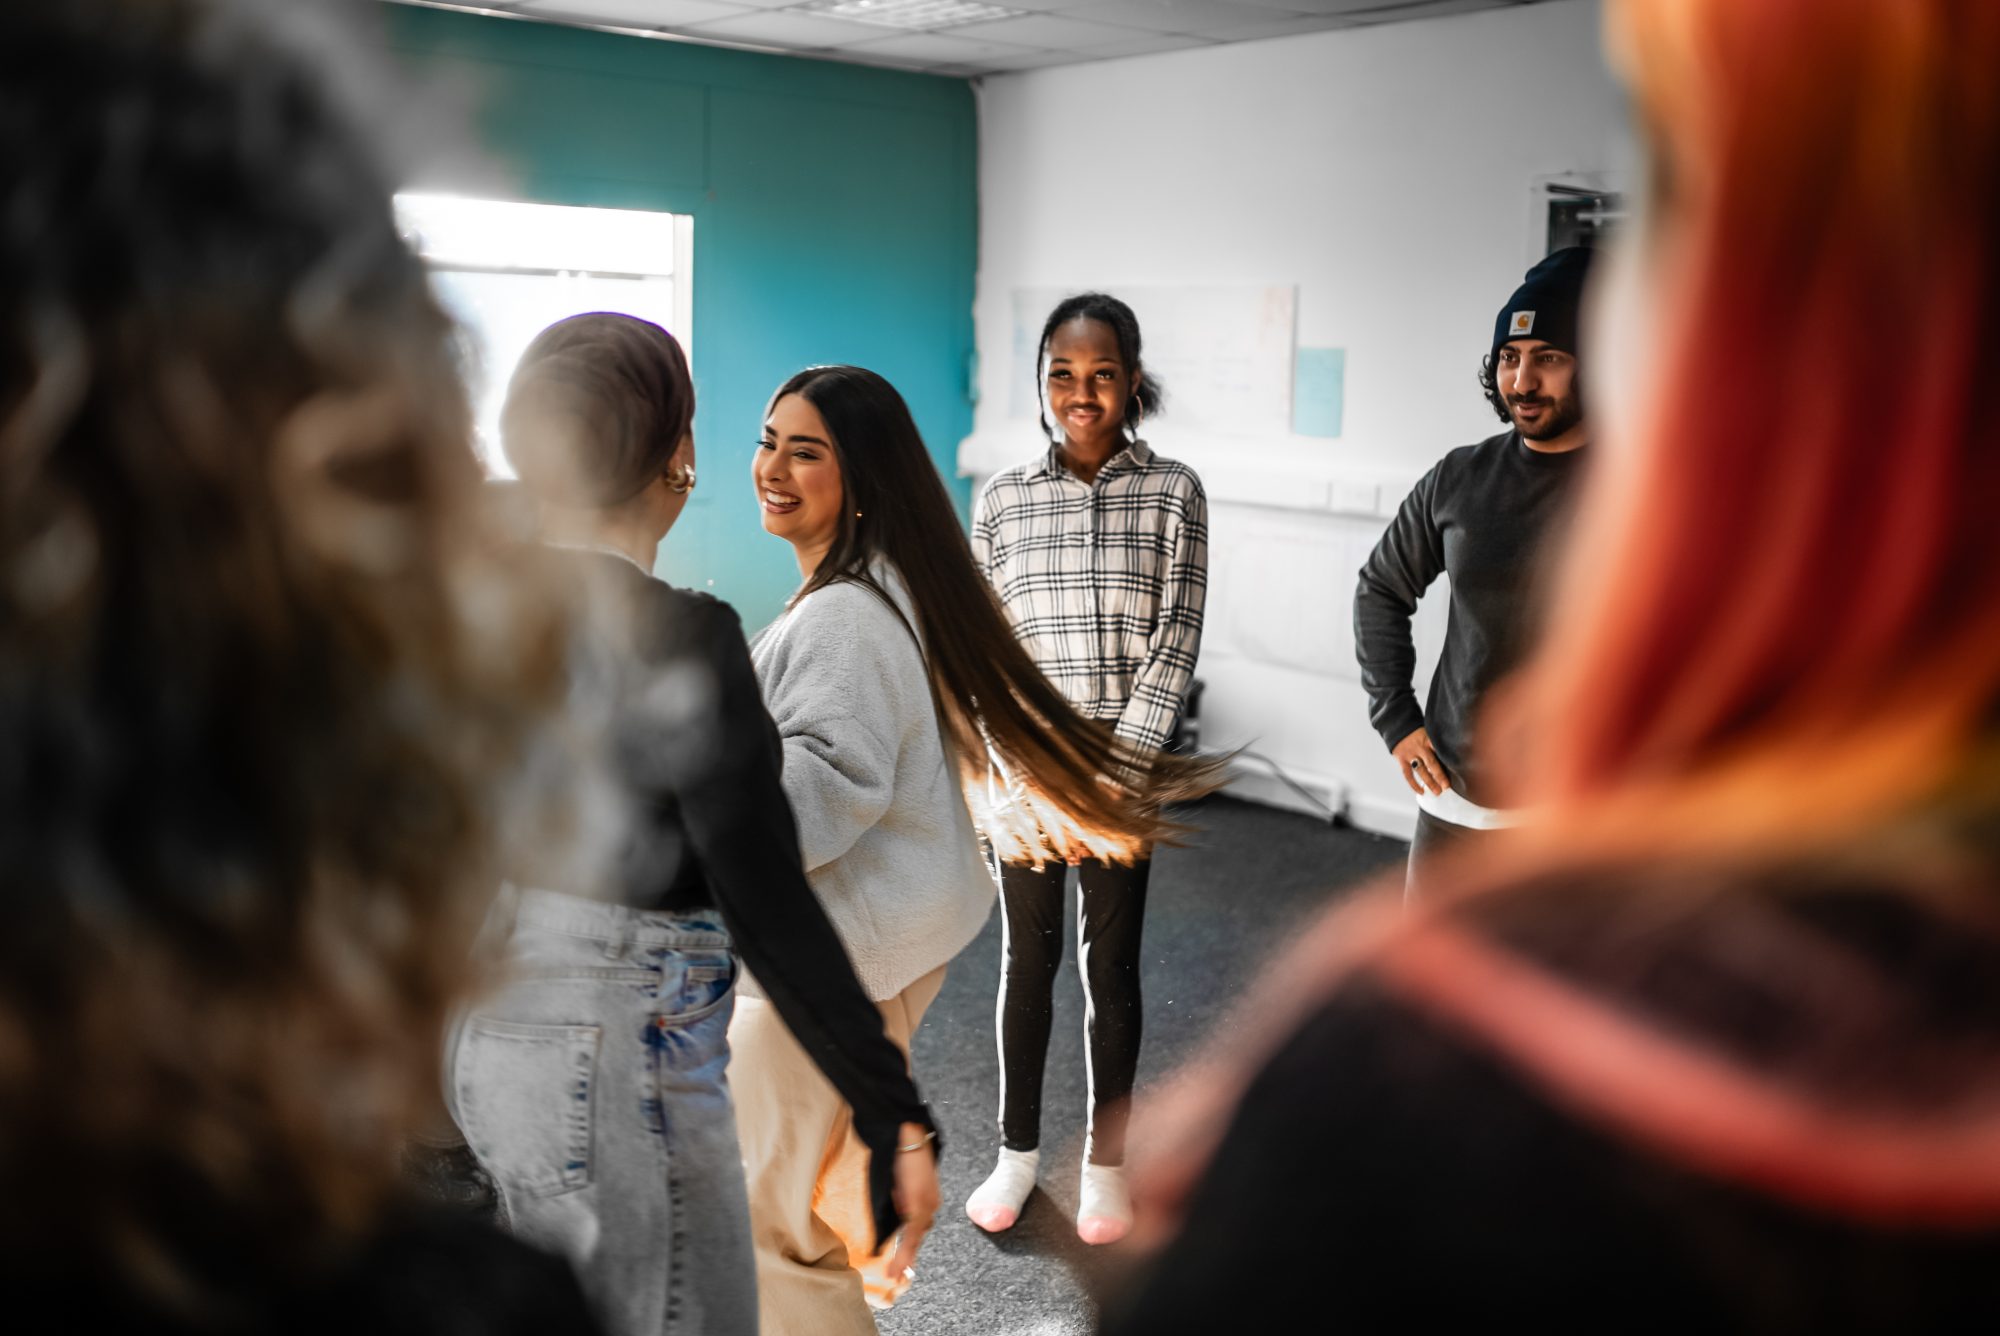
x: 1104, y: 1208
x: 996, y: 1204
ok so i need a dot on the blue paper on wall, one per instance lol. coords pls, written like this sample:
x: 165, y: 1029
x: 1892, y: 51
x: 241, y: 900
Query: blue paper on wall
x: 1319, y: 383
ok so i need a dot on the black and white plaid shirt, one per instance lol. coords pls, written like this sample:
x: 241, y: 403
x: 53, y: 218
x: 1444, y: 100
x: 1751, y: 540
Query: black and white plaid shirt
x: 1105, y: 581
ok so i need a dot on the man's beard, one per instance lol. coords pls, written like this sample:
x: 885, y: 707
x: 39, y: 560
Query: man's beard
x: 1562, y: 415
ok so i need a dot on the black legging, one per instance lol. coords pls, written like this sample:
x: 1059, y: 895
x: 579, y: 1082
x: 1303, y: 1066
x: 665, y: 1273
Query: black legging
x: 1111, y: 910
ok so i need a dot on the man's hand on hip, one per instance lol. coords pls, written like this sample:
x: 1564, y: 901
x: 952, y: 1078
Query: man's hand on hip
x: 1422, y: 770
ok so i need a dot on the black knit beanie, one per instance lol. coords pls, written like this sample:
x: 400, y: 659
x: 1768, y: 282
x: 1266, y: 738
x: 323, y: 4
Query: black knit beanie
x: 1545, y: 305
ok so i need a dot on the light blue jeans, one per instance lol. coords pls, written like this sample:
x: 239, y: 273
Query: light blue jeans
x: 591, y: 1087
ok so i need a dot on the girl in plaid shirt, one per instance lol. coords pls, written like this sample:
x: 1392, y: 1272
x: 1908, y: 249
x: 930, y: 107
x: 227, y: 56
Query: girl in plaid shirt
x: 1098, y: 550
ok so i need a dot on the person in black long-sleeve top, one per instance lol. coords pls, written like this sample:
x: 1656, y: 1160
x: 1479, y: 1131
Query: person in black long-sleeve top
x: 1484, y: 516
x: 624, y: 1004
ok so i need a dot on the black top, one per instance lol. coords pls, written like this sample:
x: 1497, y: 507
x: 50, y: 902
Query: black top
x: 703, y: 763
x: 437, y: 1274
x: 1389, y: 1170
x: 1482, y: 515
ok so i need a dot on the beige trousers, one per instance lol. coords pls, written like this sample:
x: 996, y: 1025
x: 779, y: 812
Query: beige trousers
x: 808, y: 1174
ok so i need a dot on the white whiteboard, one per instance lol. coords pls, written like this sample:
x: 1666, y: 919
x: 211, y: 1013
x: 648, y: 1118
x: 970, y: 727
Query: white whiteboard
x: 1223, y: 355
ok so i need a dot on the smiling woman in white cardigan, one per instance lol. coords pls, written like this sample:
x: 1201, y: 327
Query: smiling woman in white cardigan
x: 888, y: 846
x: 874, y: 781
x: 892, y: 674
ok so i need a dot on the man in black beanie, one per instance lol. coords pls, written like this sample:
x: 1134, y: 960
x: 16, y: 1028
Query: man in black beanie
x: 1484, y: 516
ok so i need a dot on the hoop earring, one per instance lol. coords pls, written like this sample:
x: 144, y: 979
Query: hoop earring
x: 680, y: 479
x: 1135, y: 413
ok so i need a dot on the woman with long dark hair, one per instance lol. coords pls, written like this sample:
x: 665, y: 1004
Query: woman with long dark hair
x: 1716, y: 1046
x: 893, y: 676
x: 270, y: 683
x: 1098, y: 550
x: 625, y: 999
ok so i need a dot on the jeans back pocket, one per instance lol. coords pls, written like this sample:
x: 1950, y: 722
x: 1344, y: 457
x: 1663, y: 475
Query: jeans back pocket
x: 525, y: 1094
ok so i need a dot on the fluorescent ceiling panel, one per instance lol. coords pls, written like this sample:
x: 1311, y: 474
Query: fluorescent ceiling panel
x: 788, y: 27
x: 913, y: 15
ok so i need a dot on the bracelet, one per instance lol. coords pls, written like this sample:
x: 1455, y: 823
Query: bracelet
x: 917, y: 1145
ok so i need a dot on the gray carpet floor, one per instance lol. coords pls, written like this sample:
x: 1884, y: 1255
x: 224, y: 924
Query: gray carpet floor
x: 1217, y: 911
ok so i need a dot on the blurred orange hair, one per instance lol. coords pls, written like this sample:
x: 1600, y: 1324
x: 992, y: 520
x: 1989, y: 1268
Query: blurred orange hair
x: 1778, y: 622
x: 1781, y: 611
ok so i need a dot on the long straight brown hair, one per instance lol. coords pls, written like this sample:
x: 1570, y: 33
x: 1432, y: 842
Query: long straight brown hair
x: 999, y: 708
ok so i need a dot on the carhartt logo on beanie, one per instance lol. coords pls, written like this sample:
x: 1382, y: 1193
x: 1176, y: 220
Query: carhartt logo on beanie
x: 1545, y: 305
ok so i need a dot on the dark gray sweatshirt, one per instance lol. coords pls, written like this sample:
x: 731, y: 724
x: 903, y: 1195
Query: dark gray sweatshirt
x: 1484, y: 516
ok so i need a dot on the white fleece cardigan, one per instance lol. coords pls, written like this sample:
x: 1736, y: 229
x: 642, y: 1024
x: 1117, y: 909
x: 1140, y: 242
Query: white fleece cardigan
x: 874, y: 783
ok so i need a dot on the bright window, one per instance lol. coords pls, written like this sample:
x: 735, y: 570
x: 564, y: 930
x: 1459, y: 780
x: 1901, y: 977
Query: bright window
x: 507, y: 270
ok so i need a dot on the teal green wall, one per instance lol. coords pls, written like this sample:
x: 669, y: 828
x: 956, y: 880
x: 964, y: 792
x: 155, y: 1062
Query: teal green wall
x: 835, y: 221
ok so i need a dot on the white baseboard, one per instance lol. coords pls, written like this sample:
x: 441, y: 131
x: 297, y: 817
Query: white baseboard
x: 1372, y: 814
x: 1253, y: 782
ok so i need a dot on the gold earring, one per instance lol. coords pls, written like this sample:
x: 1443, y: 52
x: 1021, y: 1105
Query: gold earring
x: 680, y: 479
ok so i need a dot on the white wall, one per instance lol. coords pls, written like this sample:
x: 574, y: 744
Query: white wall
x: 1389, y: 174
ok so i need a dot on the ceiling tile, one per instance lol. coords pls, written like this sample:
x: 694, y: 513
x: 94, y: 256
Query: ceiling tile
x: 908, y: 15
x: 1148, y: 43
x: 1041, y: 6
x: 1323, y: 7
x: 942, y: 48
x: 1175, y: 15
x: 1422, y: 9
x: 1035, y: 60
x: 1278, y: 25
x: 859, y: 55
x: 636, y: 13
x: 779, y: 28
x: 1053, y: 32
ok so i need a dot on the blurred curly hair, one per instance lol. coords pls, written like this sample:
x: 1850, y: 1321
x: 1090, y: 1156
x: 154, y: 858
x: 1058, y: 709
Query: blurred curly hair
x: 268, y: 674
